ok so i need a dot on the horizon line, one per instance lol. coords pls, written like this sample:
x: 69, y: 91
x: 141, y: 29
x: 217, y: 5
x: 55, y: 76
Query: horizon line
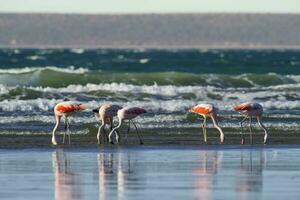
x: 155, y: 13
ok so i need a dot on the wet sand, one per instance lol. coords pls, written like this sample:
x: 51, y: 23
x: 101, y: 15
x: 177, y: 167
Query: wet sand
x: 152, y: 172
x: 159, y: 138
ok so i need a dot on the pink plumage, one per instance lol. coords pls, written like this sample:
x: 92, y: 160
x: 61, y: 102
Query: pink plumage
x: 249, y: 110
x: 64, y: 109
x: 127, y: 113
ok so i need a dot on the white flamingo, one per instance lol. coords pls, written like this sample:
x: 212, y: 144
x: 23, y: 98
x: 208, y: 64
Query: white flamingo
x: 106, y: 113
x: 127, y: 114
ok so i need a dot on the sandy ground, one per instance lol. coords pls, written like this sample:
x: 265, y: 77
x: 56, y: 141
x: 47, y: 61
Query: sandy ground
x: 150, y: 138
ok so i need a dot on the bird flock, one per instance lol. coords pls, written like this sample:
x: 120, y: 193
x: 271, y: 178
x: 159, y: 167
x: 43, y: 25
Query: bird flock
x: 106, y: 113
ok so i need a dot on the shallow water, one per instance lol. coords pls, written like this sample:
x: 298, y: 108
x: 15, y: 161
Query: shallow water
x: 177, y: 172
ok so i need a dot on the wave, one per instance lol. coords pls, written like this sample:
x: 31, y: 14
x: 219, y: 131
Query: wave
x: 25, y: 70
x: 52, y: 76
x: 152, y: 106
x: 168, y: 98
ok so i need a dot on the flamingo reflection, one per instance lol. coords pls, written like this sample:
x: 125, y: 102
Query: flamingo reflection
x: 250, y: 175
x: 205, y: 173
x: 67, y: 185
x: 113, y: 174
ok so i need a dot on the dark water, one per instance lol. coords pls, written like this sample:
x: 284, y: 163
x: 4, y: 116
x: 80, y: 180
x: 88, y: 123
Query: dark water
x: 165, y: 82
x: 151, y: 173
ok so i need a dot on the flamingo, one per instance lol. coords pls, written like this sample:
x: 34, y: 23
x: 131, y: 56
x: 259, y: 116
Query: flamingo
x: 250, y: 110
x: 106, y: 113
x: 127, y: 114
x: 64, y: 109
x: 208, y: 110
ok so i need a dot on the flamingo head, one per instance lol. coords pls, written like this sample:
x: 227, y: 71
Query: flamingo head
x: 190, y: 109
x: 96, y: 110
x: 82, y: 107
x: 144, y: 111
x: 236, y: 108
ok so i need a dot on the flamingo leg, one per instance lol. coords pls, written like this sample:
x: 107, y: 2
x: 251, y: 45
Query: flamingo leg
x: 114, y: 130
x: 101, y: 128
x: 66, y: 128
x: 204, y: 129
x: 250, y: 129
x: 216, y: 125
x: 109, y: 136
x: 137, y: 132
x: 128, y: 129
x: 69, y: 131
x: 117, y: 136
x: 111, y: 123
x: 242, y: 132
x: 264, y: 128
x: 111, y: 127
x: 57, y: 118
x: 99, y: 133
x: 106, y: 136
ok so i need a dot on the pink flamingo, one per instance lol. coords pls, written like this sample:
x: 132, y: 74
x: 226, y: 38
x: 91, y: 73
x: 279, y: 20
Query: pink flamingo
x: 127, y: 114
x: 106, y: 113
x: 208, y: 110
x: 64, y: 109
x: 250, y: 110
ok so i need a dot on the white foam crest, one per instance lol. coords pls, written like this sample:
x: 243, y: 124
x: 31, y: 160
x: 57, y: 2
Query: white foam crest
x: 77, y: 51
x: 166, y: 90
x: 281, y: 105
x: 144, y: 60
x: 295, y: 78
x: 4, y: 89
x: 48, y: 105
x: 294, y: 86
x: 269, y: 99
x: 18, y: 70
x: 71, y: 70
x: 28, y: 105
x: 45, y: 119
x: 35, y: 57
x: 152, y: 106
x: 162, y: 105
x: 246, y: 78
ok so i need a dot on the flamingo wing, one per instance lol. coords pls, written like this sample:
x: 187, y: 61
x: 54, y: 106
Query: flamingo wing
x: 135, y: 111
x: 203, y: 109
x: 67, y: 107
x: 243, y: 107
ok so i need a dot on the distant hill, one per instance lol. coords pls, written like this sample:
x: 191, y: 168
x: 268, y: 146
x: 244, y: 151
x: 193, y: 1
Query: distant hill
x: 151, y: 30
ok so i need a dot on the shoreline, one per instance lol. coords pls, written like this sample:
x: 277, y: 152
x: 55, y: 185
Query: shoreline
x: 232, y: 140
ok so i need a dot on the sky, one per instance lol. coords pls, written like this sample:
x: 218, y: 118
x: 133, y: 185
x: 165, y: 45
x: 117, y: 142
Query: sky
x: 149, y: 6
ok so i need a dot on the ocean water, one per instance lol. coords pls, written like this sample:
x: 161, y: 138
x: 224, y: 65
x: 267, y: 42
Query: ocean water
x: 164, y: 82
